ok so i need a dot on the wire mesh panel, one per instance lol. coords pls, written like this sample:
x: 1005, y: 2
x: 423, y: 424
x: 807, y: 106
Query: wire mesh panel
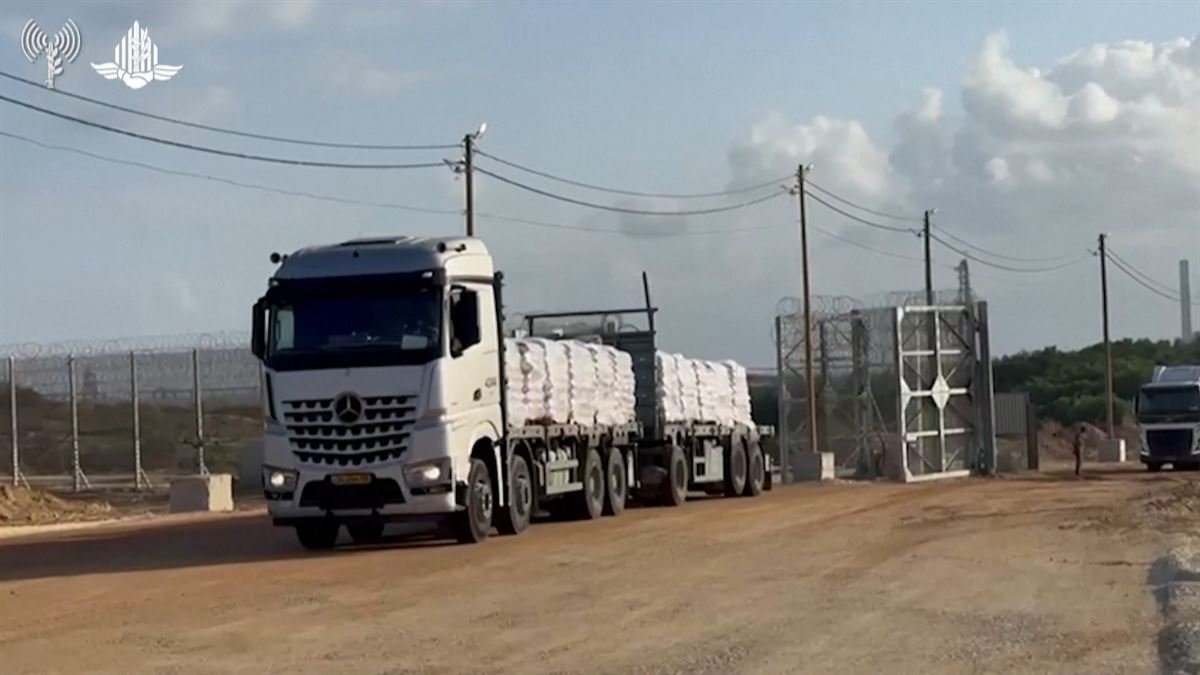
x: 167, y: 412
x: 103, y: 399
x: 44, y: 417
x: 230, y: 385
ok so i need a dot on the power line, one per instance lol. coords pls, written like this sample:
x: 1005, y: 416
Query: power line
x: 619, y: 209
x: 632, y: 193
x: 367, y: 203
x: 605, y: 230
x: 1132, y: 275
x: 860, y: 207
x: 851, y: 216
x: 1001, y: 256
x: 223, y: 130
x: 228, y: 181
x: 214, y: 151
x: 1145, y: 277
x: 1006, y: 268
x: 867, y: 247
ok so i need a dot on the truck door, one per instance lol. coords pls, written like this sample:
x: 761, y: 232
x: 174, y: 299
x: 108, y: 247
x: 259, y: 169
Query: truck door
x: 472, y: 382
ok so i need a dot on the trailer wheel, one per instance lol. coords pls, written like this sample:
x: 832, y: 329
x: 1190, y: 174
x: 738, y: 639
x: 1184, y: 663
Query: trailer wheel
x: 366, y: 532
x: 756, y: 472
x: 616, y: 482
x: 735, y: 469
x: 589, y: 502
x: 674, y: 488
x: 318, y: 535
x: 473, y: 524
x: 515, y: 518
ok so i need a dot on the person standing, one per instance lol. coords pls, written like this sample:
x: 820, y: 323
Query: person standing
x: 1080, y: 433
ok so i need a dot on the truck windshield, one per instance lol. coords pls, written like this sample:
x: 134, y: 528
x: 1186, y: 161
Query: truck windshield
x: 1169, y: 401
x: 397, y: 327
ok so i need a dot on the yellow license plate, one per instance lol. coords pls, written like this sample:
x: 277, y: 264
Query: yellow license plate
x: 350, y: 478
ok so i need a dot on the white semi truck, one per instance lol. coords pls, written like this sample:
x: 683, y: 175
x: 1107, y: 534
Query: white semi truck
x: 386, y: 401
x: 1168, y: 415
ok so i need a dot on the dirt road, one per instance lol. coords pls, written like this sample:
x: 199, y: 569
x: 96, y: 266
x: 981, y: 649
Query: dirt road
x: 1044, y: 574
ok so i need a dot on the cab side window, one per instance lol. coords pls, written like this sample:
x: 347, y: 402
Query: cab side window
x: 464, y: 320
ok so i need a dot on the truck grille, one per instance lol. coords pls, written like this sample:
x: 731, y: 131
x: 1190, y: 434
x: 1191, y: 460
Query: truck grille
x: 1169, y: 442
x: 381, y: 432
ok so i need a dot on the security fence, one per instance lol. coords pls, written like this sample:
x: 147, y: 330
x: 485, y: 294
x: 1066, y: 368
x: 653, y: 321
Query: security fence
x: 129, y: 413
x: 900, y: 388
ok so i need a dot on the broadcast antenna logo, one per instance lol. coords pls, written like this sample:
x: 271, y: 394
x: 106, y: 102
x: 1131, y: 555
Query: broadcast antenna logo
x: 136, y: 61
x: 64, y: 47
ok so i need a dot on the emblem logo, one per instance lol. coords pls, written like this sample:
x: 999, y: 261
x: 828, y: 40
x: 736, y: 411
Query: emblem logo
x: 135, y: 61
x: 62, y: 49
x: 347, y: 408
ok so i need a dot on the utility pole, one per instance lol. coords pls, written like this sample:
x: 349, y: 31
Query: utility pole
x: 810, y: 388
x: 928, y: 262
x: 1108, y: 366
x: 468, y: 168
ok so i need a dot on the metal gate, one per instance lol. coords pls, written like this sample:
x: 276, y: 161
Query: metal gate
x: 945, y: 408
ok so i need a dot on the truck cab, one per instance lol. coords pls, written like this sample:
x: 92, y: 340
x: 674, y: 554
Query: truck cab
x: 381, y: 362
x: 1168, y: 416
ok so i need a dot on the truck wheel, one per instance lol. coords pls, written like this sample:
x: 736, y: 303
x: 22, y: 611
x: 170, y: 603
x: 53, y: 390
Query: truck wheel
x: 319, y: 535
x: 515, y: 518
x: 366, y: 532
x: 756, y: 472
x: 674, y: 488
x: 473, y: 524
x: 616, y: 482
x: 735, y: 469
x: 1154, y: 467
x: 590, y: 500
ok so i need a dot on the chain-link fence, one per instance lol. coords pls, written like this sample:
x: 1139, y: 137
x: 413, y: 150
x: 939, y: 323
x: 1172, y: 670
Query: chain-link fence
x: 126, y: 414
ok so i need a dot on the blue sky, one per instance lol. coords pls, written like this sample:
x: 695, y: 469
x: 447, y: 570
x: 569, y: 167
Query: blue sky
x: 651, y: 96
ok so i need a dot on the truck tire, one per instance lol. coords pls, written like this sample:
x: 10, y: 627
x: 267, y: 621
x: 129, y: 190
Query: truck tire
x: 674, y: 488
x: 473, y: 524
x: 589, y: 502
x: 318, y: 535
x: 514, y: 518
x: 735, y: 469
x: 366, y: 532
x: 616, y: 483
x: 756, y: 472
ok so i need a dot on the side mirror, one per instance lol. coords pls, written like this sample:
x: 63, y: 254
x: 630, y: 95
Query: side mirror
x: 258, y: 329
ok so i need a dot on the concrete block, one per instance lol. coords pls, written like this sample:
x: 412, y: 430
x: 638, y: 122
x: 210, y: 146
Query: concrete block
x: 813, y: 466
x: 1112, y: 450
x: 202, y: 493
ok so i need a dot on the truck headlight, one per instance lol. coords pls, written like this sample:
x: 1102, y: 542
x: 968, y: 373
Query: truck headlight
x: 279, y: 480
x: 421, y: 474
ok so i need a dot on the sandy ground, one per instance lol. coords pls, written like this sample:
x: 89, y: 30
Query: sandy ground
x: 1040, y: 574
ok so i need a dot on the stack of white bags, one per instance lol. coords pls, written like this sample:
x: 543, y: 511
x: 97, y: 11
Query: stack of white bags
x: 567, y: 381
x: 693, y: 390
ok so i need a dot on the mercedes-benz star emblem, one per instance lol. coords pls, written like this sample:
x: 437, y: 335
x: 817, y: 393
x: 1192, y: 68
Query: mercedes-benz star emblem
x: 348, y: 408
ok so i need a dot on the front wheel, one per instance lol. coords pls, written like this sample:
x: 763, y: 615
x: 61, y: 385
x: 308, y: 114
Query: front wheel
x: 514, y: 519
x: 1154, y: 467
x: 473, y: 524
x: 320, y: 535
